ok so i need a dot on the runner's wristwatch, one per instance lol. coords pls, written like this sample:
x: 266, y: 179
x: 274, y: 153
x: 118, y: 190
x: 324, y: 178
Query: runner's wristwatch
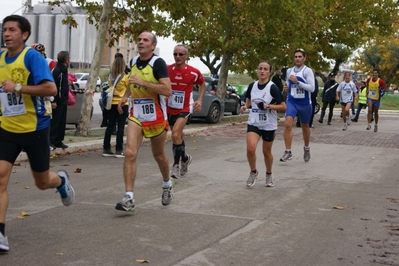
x: 18, y: 87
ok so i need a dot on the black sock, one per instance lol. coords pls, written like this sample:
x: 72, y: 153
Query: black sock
x: 3, y: 228
x: 254, y: 171
x: 268, y: 173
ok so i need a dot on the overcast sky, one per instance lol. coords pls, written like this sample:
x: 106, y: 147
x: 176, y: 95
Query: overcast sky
x: 166, y: 45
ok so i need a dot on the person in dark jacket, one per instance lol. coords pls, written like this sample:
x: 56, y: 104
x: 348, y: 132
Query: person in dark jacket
x: 328, y: 97
x: 59, y: 104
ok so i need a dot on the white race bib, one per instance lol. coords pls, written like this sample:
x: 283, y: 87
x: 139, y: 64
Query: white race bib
x: 297, y: 92
x: 372, y: 94
x: 176, y: 100
x: 144, y: 109
x: 12, y: 104
x: 258, y: 117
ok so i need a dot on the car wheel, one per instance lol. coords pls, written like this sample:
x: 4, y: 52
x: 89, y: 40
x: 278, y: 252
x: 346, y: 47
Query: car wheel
x: 213, y: 114
x: 237, y: 109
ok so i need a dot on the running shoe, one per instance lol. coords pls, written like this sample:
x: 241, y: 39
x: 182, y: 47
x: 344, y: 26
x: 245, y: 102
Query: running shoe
x: 119, y: 154
x: 108, y: 153
x: 184, y: 165
x: 127, y: 204
x: 252, y: 178
x: 175, y: 171
x: 375, y: 128
x: 306, y: 154
x: 4, y: 247
x: 348, y: 121
x: 66, y: 191
x: 167, y: 195
x: 269, y: 181
x: 368, y: 127
x: 286, y: 156
x: 345, y: 127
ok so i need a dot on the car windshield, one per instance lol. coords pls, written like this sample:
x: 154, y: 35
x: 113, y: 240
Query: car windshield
x: 78, y: 75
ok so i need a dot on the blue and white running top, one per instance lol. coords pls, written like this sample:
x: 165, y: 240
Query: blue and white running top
x: 300, y: 93
x: 347, y: 89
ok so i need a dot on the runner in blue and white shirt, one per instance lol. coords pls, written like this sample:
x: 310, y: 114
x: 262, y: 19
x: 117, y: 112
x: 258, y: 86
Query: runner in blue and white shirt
x: 299, y: 86
x: 345, y: 94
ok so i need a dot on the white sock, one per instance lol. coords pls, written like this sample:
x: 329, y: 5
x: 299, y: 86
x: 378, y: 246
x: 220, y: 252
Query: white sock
x: 130, y: 194
x: 167, y: 183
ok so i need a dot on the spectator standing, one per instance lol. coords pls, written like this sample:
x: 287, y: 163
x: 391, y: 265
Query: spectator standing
x: 299, y: 85
x: 345, y: 94
x: 277, y: 79
x: 181, y: 105
x: 266, y: 99
x: 114, y: 117
x: 59, y: 103
x: 313, y: 97
x: 26, y: 125
x: 375, y: 89
x: 362, y: 102
x: 149, y: 86
x: 328, y: 97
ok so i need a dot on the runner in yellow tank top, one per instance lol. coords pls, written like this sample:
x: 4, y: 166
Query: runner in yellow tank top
x: 375, y: 86
x: 149, y: 85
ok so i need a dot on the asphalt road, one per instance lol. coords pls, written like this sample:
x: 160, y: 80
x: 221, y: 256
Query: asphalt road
x: 341, y: 208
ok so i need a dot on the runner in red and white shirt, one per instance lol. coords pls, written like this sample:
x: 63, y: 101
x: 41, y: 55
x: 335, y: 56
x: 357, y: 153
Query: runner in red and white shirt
x: 181, y: 105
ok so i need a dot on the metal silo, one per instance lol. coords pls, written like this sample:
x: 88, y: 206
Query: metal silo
x: 78, y: 40
x: 34, y: 22
x: 45, y: 34
x: 41, y: 8
x: 90, y: 37
x: 61, y: 35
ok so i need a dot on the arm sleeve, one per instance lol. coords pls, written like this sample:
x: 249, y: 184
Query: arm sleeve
x: 160, y: 69
x: 248, y: 92
x: 309, y: 85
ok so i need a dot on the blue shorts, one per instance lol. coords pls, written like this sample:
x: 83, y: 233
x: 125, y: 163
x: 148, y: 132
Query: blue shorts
x: 303, y: 111
x: 375, y: 103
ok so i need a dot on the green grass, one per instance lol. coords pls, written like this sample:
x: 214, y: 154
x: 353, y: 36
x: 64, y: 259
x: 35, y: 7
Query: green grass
x: 390, y: 102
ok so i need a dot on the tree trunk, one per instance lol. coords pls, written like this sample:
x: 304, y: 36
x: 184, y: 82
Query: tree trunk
x: 84, y: 122
x: 224, y: 69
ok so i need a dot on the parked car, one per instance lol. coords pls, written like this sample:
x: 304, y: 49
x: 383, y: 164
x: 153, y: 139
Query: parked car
x: 232, y: 102
x: 73, y: 112
x: 212, y: 107
x: 82, y: 80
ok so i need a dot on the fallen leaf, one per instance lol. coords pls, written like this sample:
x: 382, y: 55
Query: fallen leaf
x: 339, y: 207
x: 341, y: 229
x: 17, y: 164
x: 16, y: 182
x: 78, y: 170
x: 393, y: 228
x: 60, y: 253
x: 25, y: 214
x: 143, y: 261
x: 277, y: 222
x: 19, y: 217
x: 26, y: 187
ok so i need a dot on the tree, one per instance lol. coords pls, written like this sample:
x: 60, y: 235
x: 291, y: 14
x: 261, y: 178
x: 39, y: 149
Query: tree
x: 241, y: 33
